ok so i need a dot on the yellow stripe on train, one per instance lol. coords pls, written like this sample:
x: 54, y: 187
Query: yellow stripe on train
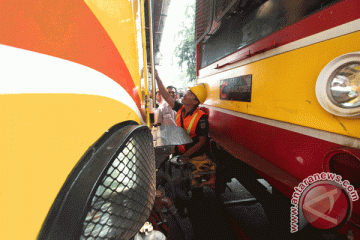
x: 288, y: 94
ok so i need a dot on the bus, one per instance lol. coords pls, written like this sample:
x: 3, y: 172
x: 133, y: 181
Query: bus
x: 74, y: 145
x: 283, y: 81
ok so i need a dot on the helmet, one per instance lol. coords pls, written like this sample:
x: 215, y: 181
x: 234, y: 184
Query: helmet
x: 200, y: 92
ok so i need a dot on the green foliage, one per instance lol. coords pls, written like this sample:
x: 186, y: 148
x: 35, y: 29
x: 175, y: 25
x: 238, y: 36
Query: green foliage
x: 186, y: 50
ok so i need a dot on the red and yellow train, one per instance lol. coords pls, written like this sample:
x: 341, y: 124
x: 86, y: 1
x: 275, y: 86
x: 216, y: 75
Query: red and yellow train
x: 284, y: 87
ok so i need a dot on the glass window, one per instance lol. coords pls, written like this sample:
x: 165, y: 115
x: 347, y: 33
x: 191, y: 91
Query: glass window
x: 254, y: 22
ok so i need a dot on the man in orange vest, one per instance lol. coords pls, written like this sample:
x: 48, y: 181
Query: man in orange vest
x: 195, y: 122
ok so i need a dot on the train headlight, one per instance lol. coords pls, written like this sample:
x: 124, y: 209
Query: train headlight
x: 345, y: 86
x: 338, y: 86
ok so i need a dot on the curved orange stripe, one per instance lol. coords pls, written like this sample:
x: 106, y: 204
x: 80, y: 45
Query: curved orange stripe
x: 67, y: 30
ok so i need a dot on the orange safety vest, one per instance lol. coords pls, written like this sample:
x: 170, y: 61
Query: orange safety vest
x: 190, y: 122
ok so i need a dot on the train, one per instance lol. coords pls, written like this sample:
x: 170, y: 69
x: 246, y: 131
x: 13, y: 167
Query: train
x: 283, y: 88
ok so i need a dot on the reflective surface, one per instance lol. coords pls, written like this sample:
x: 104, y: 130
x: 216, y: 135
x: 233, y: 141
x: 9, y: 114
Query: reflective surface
x: 252, y: 22
x: 170, y: 136
x: 344, y: 89
x: 177, y: 160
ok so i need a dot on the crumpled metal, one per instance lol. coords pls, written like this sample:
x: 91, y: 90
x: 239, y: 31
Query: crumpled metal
x: 170, y: 136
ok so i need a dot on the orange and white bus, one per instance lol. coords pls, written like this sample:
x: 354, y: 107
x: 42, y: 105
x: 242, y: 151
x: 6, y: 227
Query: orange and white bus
x: 74, y: 145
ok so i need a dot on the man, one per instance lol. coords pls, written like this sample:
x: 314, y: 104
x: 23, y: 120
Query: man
x: 159, y: 99
x: 166, y: 115
x: 158, y: 103
x: 195, y: 122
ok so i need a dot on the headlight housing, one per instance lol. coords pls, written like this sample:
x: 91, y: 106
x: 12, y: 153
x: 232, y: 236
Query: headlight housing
x: 338, y: 86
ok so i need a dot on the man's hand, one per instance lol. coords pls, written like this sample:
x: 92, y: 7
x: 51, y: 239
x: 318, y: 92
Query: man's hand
x: 196, y: 147
x: 163, y: 91
x: 185, y: 159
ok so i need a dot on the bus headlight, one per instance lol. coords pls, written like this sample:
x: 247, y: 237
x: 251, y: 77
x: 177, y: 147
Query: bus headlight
x: 338, y: 86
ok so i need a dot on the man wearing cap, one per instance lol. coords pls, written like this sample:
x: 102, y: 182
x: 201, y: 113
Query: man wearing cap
x: 195, y: 122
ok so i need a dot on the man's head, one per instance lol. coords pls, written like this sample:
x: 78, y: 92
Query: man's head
x: 190, y: 99
x: 172, y: 91
x: 197, y: 93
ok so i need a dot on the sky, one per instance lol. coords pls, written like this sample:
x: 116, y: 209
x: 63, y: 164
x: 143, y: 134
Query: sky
x: 170, y: 70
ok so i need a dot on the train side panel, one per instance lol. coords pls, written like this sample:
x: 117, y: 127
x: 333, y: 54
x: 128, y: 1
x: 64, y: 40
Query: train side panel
x: 263, y: 104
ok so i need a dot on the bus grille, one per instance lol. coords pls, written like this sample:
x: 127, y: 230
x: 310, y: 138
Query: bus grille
x: 123, y: 199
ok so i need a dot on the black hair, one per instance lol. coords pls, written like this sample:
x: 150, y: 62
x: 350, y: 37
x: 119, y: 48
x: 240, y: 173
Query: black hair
x: 172, y: 87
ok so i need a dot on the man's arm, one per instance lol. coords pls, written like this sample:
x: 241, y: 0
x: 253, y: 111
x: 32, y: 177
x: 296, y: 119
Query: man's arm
x: 163, y: 91
x: 196, y: 147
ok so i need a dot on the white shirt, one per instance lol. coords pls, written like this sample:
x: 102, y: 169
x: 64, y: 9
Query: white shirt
x: 165, y: 115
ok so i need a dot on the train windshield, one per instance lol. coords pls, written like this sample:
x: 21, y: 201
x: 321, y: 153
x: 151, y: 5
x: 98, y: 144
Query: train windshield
x: 241, y: 23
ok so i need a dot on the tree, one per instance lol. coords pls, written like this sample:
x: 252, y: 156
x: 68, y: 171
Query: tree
x: 186, y: 50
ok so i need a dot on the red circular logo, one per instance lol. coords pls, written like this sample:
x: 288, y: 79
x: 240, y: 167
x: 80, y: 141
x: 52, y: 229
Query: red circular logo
x: 325, y: 205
